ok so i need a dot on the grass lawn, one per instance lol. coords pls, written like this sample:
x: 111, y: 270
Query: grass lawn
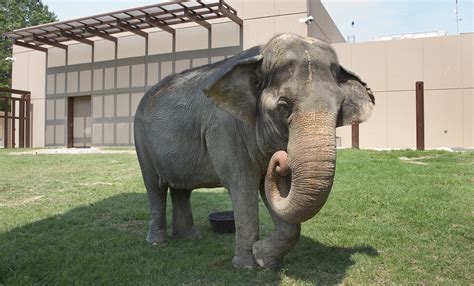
x: 82, y: 219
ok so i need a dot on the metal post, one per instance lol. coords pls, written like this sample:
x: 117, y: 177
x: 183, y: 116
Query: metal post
x: 355, y: 136
x: 420, y: 116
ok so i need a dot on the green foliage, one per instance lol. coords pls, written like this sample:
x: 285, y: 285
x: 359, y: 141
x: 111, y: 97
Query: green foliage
x: 83, y: 219
x: 16, y: 14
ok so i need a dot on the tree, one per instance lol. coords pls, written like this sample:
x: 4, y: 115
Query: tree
x: 16, y: 14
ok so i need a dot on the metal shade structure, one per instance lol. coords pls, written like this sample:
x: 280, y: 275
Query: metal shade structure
x: 134, y: 20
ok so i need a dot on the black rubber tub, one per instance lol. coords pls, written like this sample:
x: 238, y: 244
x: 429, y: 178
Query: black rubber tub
x: 222, y: 222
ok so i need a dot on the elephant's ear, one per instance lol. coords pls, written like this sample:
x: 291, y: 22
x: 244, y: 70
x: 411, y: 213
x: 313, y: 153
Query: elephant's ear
x: 233, y: 86
x: 359, y: 100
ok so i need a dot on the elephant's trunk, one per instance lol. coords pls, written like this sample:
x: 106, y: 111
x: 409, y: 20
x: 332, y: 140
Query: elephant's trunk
x: 311, y: 162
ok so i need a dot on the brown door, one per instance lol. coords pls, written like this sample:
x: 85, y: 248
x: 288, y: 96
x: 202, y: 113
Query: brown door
x: 79, y: 121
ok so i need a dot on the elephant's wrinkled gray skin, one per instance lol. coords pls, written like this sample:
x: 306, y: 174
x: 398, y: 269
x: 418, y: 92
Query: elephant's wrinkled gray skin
x: 264, y: 120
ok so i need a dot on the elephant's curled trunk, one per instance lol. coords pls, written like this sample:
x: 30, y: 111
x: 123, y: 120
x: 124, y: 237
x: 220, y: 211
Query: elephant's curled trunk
x: 311, y: 160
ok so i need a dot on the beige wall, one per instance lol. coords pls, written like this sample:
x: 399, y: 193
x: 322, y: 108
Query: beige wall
x: 117, y: 86
x: 391, y: 68
x: 323, y: 27
x: 265, y: 18
x: 29, y: 73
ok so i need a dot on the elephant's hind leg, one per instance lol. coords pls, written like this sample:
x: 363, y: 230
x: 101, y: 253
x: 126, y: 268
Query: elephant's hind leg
x: 157, y: 191
x: 183, y: 223
x: 269, y: 252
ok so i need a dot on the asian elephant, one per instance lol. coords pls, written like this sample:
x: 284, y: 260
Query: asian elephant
x: 262, y: 121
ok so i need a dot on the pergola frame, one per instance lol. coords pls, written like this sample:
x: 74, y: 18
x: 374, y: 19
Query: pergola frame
x: 135, y: 20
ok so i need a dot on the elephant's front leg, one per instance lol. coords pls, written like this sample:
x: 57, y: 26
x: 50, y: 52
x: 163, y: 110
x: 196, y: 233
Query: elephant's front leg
x: 269, y: 252
x: 245, y: 204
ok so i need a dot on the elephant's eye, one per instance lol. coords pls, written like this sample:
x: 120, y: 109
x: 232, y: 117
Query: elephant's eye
x: 284, y: 106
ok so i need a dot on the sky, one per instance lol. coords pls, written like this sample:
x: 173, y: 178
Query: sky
x: 372, y: 18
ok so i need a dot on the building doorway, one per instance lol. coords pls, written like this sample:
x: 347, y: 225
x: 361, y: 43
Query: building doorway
x: 79, y: 122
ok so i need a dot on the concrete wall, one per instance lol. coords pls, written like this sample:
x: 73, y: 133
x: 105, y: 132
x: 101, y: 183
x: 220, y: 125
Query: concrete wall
x: 265, y: 18
x: 391, y: 68
x: 323, y: 27
x: 29, y: 72
x: 116, y: 86
x: 116, y: 82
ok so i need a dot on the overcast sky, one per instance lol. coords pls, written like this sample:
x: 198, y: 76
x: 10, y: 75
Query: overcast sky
x: 372, y: 17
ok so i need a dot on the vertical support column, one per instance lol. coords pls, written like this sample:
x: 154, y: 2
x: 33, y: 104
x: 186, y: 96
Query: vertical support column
x: 173, y: 65
x: 46, y: 96
x: 21, y: 122
x: 146, y: 61
x: 355, y: 136
x: 115, y: 94
x: 420, y: 116
x: 66, y: 135
x: 13, y: 124
x: 28, y: 120
x: 209, y: 45
x: 70, y: 122
x: 241, y: 37
x: 92, y: 91
x: 5, y: 122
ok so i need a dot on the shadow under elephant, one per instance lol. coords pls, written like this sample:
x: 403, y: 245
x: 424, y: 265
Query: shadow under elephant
x: 104, y: 243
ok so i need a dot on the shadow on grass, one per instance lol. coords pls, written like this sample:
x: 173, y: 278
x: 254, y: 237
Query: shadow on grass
x: 104, y: 243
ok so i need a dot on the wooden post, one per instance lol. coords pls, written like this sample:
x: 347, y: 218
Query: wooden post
x: 5, y: 122
x: 28, y: 120
x: 21, y: 122
x: 13, y: 124
x: 70, y: 122
x: 355, y: 136
x: 420, y: 116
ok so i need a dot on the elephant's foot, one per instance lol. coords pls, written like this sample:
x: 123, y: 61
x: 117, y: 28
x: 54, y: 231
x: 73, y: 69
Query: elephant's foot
x: 190, y: 233
x: 267, y: 255
x: 157, y: 238
x: 157, y: 235
x: 241, y: 262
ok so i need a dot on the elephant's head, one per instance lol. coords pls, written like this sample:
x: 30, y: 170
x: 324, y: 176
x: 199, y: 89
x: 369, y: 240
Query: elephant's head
x: 295, y: 93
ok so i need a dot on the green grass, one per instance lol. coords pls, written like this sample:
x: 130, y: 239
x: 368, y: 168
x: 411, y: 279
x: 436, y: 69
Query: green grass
x: 82, y: 219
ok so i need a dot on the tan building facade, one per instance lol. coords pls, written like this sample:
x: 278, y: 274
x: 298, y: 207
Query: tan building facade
x: 391, y: 68
x: 103, y: 84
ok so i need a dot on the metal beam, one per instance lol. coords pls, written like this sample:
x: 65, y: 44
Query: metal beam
x: 30, y: 46
x: 132, y: 29
x: 157, y: 24
x: 49, y: 42
x: 230, y: 15
x: 196, y: 19
x: 77, y: 39
x: 102, y: 35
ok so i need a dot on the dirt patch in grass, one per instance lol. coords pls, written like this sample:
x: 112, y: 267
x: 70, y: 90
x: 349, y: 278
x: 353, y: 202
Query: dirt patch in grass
x: 21, y: 202
x: 416, y: 160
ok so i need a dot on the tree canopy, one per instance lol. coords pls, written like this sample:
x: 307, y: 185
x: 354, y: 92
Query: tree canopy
x: 16, y: 14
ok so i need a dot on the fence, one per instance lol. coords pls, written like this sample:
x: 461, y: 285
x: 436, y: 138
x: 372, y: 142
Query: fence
x: 16, y: 107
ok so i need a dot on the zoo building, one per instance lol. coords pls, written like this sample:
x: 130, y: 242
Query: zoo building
x: 86, y: 76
